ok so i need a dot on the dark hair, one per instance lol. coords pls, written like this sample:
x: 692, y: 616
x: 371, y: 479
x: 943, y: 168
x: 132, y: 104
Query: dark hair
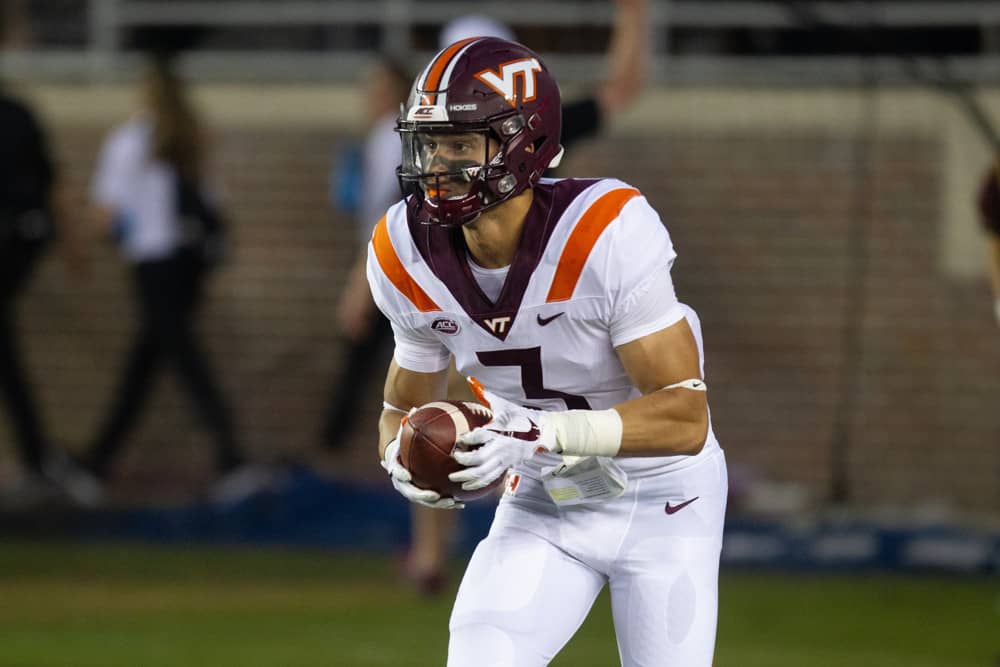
x: 177, y: 137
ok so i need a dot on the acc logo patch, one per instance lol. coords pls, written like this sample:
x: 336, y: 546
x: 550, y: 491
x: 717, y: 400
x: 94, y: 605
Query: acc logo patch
x: 445, y: 326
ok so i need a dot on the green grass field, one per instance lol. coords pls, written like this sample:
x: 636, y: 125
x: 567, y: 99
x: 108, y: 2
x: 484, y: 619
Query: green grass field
x: 132, y: 606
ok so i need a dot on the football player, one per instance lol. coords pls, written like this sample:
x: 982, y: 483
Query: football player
x: 556, y: 295
x: 582, y: 117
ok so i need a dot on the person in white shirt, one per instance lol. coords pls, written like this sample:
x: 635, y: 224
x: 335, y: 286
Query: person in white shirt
x: 150, y: 189
x: 556, y: 295
x: 364, y: 331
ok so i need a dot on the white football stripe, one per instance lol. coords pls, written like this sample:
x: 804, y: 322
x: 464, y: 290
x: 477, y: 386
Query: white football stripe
x: 457, y: 416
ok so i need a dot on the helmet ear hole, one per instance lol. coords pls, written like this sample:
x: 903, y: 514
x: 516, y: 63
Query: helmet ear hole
x: 511, y: 126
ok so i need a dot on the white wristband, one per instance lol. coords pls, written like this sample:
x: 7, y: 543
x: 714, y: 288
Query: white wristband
x: 386, y: 405
x: 585, y: 432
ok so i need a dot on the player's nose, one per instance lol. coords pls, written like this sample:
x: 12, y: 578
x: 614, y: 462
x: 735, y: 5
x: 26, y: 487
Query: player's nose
x: 438, y: 165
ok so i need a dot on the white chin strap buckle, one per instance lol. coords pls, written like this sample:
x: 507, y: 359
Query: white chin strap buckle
x: 554, y: 162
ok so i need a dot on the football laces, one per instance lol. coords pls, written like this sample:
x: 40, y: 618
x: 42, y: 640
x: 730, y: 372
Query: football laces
x: 479, y: 409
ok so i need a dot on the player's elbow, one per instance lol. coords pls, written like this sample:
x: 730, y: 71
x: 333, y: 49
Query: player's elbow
x: 696, y: 434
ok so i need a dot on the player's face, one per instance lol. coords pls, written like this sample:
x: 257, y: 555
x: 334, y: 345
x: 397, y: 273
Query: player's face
x: 455, y: 159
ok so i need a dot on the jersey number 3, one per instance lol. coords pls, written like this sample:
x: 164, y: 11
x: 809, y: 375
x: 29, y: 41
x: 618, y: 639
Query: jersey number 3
x: 530, y: 361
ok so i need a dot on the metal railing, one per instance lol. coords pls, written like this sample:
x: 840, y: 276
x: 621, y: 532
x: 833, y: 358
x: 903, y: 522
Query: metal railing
x: 390, y: 25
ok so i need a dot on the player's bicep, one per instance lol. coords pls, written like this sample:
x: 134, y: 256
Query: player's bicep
x: 663, y: 358
x: 674, y: 421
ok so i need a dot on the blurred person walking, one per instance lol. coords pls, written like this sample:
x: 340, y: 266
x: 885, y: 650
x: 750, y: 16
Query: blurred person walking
x: 151, y: 193
x: 29, y: 214
x: 365, y: 186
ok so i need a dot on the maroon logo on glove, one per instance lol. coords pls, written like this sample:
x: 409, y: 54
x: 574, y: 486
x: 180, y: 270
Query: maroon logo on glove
x: 530, y: 435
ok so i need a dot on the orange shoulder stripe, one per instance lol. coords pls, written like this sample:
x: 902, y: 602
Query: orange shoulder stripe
x: 396, y: 272
x: 582, y: 239
x: 438, y: 67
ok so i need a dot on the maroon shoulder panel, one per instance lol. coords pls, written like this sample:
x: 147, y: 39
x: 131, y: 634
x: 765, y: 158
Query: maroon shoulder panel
x: 445, y: 252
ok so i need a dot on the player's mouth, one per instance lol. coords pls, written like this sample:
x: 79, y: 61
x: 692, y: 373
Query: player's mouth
x: 442, y: 192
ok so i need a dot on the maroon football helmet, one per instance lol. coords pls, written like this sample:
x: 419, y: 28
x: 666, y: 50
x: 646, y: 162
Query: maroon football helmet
x: 481, y: 125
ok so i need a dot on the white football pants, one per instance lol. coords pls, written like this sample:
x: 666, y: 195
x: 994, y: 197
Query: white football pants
x: 532, y: 581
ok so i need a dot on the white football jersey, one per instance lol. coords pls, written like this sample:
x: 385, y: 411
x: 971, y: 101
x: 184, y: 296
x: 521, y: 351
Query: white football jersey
x: 591, y: 273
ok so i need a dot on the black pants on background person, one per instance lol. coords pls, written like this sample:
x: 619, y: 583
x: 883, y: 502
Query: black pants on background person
x: 363, y: 360
x: 168, y: 293
x: 18, y: 258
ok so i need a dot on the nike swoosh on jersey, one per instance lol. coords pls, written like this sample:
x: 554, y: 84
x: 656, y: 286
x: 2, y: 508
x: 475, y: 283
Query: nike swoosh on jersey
x: 542, y: 321
x: 670, y: 509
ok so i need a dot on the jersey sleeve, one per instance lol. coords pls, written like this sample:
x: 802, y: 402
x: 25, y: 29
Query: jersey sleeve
x: 641, y: 292
x: 418, y: 353
x: 416, y: 347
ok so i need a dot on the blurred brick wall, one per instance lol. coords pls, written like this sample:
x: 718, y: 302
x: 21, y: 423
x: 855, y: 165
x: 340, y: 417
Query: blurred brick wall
x: 762, y: 226
x: 268, y: 320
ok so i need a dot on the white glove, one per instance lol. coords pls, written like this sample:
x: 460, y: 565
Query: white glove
x: 514, y: 435
x: 401, y: 481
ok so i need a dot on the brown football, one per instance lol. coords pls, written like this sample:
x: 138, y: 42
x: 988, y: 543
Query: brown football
x: 428, y: 438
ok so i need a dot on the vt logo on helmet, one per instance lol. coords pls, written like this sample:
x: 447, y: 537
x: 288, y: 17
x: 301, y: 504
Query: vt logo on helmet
x: 481, y: 125
x: 522, y: 71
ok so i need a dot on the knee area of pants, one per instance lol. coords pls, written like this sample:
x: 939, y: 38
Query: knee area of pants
x: 480, y: 645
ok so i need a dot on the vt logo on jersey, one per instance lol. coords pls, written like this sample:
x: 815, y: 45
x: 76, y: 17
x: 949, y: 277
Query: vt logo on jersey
x: 497, y: 325
x: 505, y: 81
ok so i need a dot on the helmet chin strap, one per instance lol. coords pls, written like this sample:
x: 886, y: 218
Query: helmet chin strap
x: 554, y: 162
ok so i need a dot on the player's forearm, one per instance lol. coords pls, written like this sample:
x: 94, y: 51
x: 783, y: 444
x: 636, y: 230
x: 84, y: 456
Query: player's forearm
x: 628, y: 58
x: 405, y: 389
x: 664, y: 423
x: 388, y: 426
x: 668, y: 422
